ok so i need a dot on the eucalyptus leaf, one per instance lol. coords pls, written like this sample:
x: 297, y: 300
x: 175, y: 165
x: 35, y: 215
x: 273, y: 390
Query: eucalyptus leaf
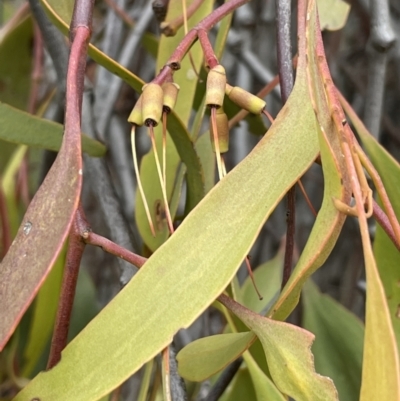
x: 264, y: 387
x: 206, y: 356
x: 24, y: 128
x: 288, y: 352
x: 333, y: 14
x: 338, y: 345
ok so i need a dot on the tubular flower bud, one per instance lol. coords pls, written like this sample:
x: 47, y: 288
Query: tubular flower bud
x: 222, y: 131
x: 152, y: 103
x: 216, y: 82
x: 171, y: 90
x: 136, y: 117
x: 247, y: 101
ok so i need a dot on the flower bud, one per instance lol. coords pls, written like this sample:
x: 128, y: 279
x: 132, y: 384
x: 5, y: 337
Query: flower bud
x: 216, y: 82
x: 247, y: 101
x: 152, y: 103
x: 222, y: 131
x: 171, y: 90
x: 136, y: 117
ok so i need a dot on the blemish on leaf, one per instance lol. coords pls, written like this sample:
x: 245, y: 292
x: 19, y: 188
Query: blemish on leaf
x: 27, y: 227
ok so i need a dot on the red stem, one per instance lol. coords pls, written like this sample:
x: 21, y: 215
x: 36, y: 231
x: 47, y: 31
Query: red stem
x: 80, y: 35
x: 97, y: 240
x: 206, y: 24
x: 384, y: 222
x: 209, y: 55
x: 74, y: 255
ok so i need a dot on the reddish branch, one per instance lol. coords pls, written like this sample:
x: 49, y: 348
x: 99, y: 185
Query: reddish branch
x: 173, y: 64
x: 73, y: 260
x: 79, y: 34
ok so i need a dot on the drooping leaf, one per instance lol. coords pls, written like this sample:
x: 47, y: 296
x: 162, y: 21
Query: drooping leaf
x: 23, y: 128
x: 202, y: 358
x: 164, y: 295
x: 288, y: 352
x: 46, y: 222
x: 381, y: 366
x: 339, y: 337
x: 329, y: 220
x: 380, y: 332
x: 332, y: 14
x: 386, y: 254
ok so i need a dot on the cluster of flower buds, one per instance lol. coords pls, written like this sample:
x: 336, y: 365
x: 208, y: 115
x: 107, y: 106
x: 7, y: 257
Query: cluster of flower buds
x: 217, y: 88
x: 152, y: 102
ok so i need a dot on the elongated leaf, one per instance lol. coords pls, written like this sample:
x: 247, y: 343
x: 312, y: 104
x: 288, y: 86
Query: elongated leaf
x: 329, y: 220
x: 23, y: 128
x: 202, y: 358
x: 386, y: 254
x: 382, y: 321
x: 264, y: 387
x: 46, y: 223
x: 207, y: 248
x: 288, y: 352
x: 338, y: 345
x: 381, y: 370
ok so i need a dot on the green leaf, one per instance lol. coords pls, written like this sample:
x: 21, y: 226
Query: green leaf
x: 85, y: 306
x: 338, y: 346
x: 288, y: 352
x: 44, y: 313
x: 207, y: 159
x: 268, y: 278
x: 24, y: 128
x: 387, y: 255
x: 241, y: 387
x: 164, y: 295
x: 16, y: 64
x: 332, y: 14
x: 42, y: 233
x: 383, y: 297
x: 203, y: 358
x: 264, y: 387
x: 329, y: 221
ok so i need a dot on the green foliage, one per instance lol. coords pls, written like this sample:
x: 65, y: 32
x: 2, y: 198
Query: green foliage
x: 339, y: 337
